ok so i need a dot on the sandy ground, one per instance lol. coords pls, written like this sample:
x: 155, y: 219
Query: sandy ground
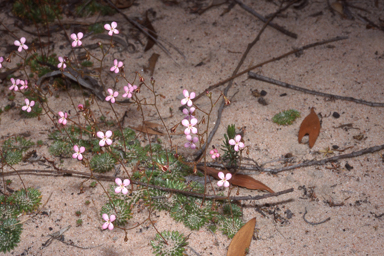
x: 352, y: 67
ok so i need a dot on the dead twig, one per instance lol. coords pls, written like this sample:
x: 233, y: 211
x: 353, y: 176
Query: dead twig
x: 314, y: 223
x: 322, y: 94
x: 327, y: 41
x: 263, y: 19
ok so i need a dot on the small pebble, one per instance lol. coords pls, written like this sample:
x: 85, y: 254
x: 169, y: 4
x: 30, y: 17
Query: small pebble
x: 335, y: 147
x: 336, y: 115
x: 283, y: 94
x: 262, y: 101
x: 348, y: 166
x: 263, y: 93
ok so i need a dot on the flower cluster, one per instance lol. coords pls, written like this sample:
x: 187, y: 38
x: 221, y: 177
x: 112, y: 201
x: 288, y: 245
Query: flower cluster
x: 189, y: 121
x: 214, y: 153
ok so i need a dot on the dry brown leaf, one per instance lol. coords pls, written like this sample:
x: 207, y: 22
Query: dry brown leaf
x: 242, y: 239
x: 151, y: 31
x: 310, y: 126
x: 238, y: 179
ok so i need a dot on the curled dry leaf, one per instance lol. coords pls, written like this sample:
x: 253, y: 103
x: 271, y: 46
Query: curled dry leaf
x: 310, y: 126
x: 242, y: 239
x: 238, y: 179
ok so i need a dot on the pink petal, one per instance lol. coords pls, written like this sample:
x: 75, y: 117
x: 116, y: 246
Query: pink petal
x: 114, y: 24
x: 184, y: 101
x: 120, y: 64
x: 193, y: 146
x: 185, y: 111
x: 107, y: 27
x: 195, y: 140
x: 187, y: 145
x: 226, y: 184
x: 110, y: 227
x: 188, y: 137
x: 25, y: 47
x: 74, y: 44
x: 117, y: 190
x: 192, y: 95
x: 189, y: 103
x: 117, y: 70
x: 100, y: 135
x: 112, y: 218
x: 116, y: 31
x: 112, y: 68
x: 194, y: 130
x: 193, y: 121
x: 115, y: 94
x: 232, y: 142
x: 113, y: 100
x: 125, y: 191
x: 186, y: 93
x: 64, y: 121
x: 105, y: 225
x: 187, y: 131
x: 61, y: 114
x: 29, y: 109
x: 105, y: 217
x: 110, y: 91
x: 79, y: 43
x: 126, y: 89
x: 236, y: 147
x: 108, y: 134
x: 241, y: 144
x: 220, y: 183
x: 101, y: 143
x: 24, y: 108
x: 74, y: 37
x: 109, y: 141
x: 118, y: 181
x: 22, y: 40
x: 74, y: 155
x: 228, y: 176
x: 185, y: 122
x: 127, y: 182
x: 13, y: 81
x: 80, y: 35
x: 17, y: 43
x: 221, y: 175
x: 115, y: 62
x: 110, y: 32
x: 238, y: 138
x: 80, y: 157
x: 76, y: 148
x: 27, y: 101
x: 82, y: 149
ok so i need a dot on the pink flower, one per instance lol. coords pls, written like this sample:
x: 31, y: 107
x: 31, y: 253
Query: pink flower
x: 189, y: 113
x: 76, y: 39
x: 190, y: 126
x: 62, y: 63
x: 63, y: 118
x: 108, y: 224
x: 192, y: 142
x: 14, y: 84
x: 112, y: 95
x: 28, y: 105
x: 21, y: 44
x: 122, y: 186
x: 112, y: 28
x: 237, y: 142
x: 78, y: 152
x: 188, y: 98
x: 224, y: 179
x: 1, y: 60
x: 214, y: 153
x: 129, y: 90
x: 24, y: 84
x: 117, y: 66
x: 80, y: 107
x: 104, y: 139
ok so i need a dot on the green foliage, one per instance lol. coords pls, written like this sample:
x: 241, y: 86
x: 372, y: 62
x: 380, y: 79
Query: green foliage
x: 87, y: 63
x: 78, y: 213
x: 35, y: 63
x: 79, y: 222
x: 230, y: 155
x: 286, y: 117
x: 14, y: 147
x: 10, y: 208
x: 93, y: 184
x: 39, y: 11
x: 97, y: 28
x: 94, y: 7
x: 39, y: 143
x: 10, y: 231
x: 175, y: 247
x: 61, y: 149
x: 230, y: 226
x: 102, y: 163
x: 232, y: 209
x: 120, y: 208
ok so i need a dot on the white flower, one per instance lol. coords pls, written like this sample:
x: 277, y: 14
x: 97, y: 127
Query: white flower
x: 224, y: 179
x: 112, y: 28
x: 122, y: 186
x: 108, y: 224
x: 104, y: 139
x: 76, y: 39
x: 28, y: 105
x: 188, y: 98
x: 237, y: 142
x: 21, y: 44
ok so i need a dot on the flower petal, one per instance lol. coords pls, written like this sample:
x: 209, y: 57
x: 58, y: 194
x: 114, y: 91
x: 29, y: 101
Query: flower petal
x: 105, y: 225
x: 105, y: 217
x: 112, y: 218
x: 126, y: 182
x: 74, y: 155
x: 101, y: 143
x: 82, y: 149
x: 108, y: 134
x: 192, y: 95
x: 221, y: 175
x: 80, y: 157
x: 238, y: 138
x: 76, y: 148
x: 184, y: 101
x: 232, y: 142
x: 17, y: 43
x: 114, y: 24
x: 80, y: 35
x: 226, y: 184
x: 118, y: 181
x: 185, y: 122
x: 22, y: 40
x: 193, y: 121
x: 73, y: 36
x: 220, y: 183
x: 186, y: 93
x: 117, y: 190
x: 125, y: 191
x: 228, y: 176
x: 100, y: 135
x: 110, y: 227
x: 107, y: 27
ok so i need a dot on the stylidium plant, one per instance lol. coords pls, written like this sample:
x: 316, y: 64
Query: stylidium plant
x: 122, y: 186
x: 62, y: 63
x: 63, y: 118
x: 76, y: 39
x: 237, y: 142
x: 190, y: 126
x: 78, y: 152
x: 129, y: 90
x: 188, y: 98
x: 104, y: 138
x: 14, y: 85
x: 112, y: 95
x: 224, y: 179
x: 111, y: 29
x: 117, y: 66
x: 28, y: 106
x: 21, y: 44
x: 108, y: 221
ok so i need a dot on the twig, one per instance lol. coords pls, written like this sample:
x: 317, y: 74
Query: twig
x: 77, y: 174
x: 338, y: 38
x: 194, y: 251
x: 221, y: 108
x: 322, y: 94
x: 263, y: 19
x: 304, y: 164
x: 315, y: 223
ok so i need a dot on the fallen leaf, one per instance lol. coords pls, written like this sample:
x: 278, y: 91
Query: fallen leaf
x: 151, y: 31
x: 310, y: 126
x: 151, y: 64
x: 238, y: 179
x: 242, y: 239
